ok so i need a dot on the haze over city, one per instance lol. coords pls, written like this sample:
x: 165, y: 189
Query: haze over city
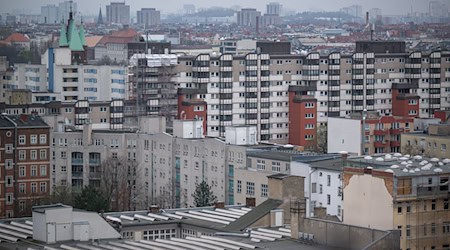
x: 390, y: 7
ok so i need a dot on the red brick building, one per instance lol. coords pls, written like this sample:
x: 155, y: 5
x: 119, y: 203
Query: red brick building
x: 191, y: 106
x: 24, y: 163
x: 302, y: 117
x: 404, y: 101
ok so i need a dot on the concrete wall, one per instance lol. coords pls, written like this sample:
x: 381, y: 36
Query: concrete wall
x: 344, y: 236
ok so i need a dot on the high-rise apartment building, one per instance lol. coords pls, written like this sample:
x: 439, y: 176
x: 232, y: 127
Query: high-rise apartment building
x: 255, y: 89
x: 25, y: 164
x: 118, y: 12
x: 50, y: 14
x: 152, y: 85
x: 273, y: 9
x: 248, y: 17
x: 148, y: 16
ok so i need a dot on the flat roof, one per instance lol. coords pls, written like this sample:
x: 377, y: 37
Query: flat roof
x: 402, y: 165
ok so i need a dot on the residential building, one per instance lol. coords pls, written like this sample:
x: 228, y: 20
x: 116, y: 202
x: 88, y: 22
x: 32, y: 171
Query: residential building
x: 434, y: 142
x: 322, y: 173
x: 248, y: 17
x: 400, y: 192
x: 273, y: 9
x: 148, y: 17
x: 25, y: 163
x: 50, y: 14
x: 259, y: 89
x: 381, y: 133
x: 152, y: 84
x: 118, y: 12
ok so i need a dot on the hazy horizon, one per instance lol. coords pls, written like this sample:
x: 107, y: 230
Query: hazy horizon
x: 91, y: 7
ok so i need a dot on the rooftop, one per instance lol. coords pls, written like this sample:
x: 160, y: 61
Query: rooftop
x: 402, y: 165
x: 7, y: 121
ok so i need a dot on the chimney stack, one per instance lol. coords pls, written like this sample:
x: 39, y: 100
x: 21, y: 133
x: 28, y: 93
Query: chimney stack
x: 344, y: 155
x: 219, y: 204
x: 367, y: 18
x: 154, y: 209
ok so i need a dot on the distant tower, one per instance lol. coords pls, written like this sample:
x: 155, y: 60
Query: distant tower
x: 100, y: 17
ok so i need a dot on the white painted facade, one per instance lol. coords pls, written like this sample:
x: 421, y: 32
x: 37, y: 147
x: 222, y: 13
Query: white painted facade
x: 323, y: 188
x: 345, y: 135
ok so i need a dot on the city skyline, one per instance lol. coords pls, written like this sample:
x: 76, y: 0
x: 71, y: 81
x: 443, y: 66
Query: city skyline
x: 173, y: 6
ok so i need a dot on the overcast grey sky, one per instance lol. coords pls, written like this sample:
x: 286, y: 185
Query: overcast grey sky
x: 92, y: 6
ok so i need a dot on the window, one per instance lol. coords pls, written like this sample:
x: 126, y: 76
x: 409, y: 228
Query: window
x: 43, y: 170
x: 446, y: 227
x: 433, y: 205
x: 33, y: 154
x: 446, y: 204
x: 399, y: 208
x: 43, y: 187
x: 33, y: 139
x: 22, y: 206
x: 8, y: 148
x: 408, y: 208
x: 260, y: 164
x: 34, y: 187
x: 63, y: 168
x: 9, y: 181
x: 9, y: 164
x: 264, y: 189
x: 328, y: 199
x: 408, y: 230
x: 63, y: 154
x: 313, y: 188
x: 250, y: 188
x: 433, y: 228
x: 239, y: 186
x: 320, y: 188
x: 22, y: 139
x: 276, y: 167
x: 22, y: 188
x: 43, y: 154
x: 22, y: 172
x: 22, y: 155
x: 328, y: 180
x: 9, y: 199
x: 34, y: 170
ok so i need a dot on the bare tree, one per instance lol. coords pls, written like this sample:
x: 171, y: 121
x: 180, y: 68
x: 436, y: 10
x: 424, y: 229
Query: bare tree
x: 411, y: 150
x: 165, y: 198
x: 322, y: 139
x: 120, y: 183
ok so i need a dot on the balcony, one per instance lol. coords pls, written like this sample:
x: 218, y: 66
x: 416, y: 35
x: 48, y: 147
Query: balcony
x: 428, y: 190
x: 395, y: 143
x: 380, y: 144
x: 94, y: 175
x: 77, y: 161
x: 380, y: 132
x: 77, y: 175
x: 95, y: 162
x: 396, y: 131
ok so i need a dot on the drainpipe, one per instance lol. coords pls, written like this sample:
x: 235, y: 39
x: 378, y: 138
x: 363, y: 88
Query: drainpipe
x: 16, y: 169
x: 310, y: 187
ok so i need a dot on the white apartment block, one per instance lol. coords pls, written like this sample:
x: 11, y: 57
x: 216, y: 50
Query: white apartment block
x: 254, y: 89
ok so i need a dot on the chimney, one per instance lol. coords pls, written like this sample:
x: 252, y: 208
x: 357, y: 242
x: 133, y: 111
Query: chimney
x: 219, y: 204
x: 367, y: 18
x: 24, y: 118
x: 344, y: 155
x: 154, y: 209
x: 250, y: 202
